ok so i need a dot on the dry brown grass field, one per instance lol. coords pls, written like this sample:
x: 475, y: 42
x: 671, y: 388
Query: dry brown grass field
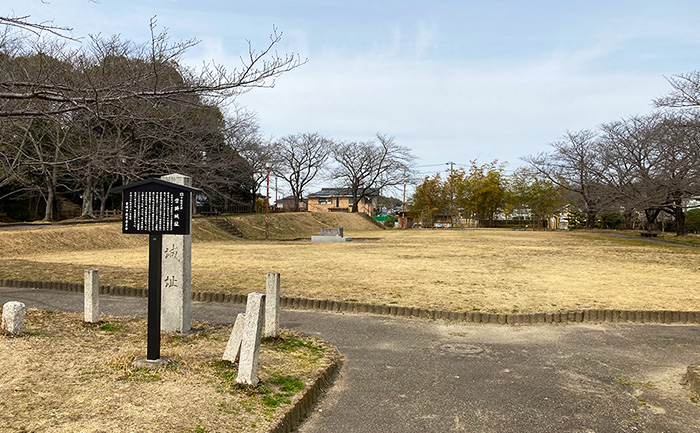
x: 64, y: 375
x: 463, y: 270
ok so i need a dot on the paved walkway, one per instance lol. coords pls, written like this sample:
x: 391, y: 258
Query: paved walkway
x: 405, y: 375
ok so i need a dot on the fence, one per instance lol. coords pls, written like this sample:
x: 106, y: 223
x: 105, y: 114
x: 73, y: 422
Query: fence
x: 224, y: 209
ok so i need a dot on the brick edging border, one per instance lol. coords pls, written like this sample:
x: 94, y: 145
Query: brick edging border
x: 298, y: 303
x: 299, y: 411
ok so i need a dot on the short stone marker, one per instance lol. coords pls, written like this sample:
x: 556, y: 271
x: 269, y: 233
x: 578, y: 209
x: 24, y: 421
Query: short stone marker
x: 13, y: 314
x: 272, y: 305
x: 330, y: 234
x: 233, y: 348
x: 91, y: 296
x: 250, y: 346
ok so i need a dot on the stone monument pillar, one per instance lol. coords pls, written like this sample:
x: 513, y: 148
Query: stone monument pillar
x: 176, y: 283
x: 272, y: 305
x: 250, y: 345
x: 91, y: 296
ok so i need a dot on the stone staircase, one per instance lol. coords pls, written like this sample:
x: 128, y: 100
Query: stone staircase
x: 225, y: 225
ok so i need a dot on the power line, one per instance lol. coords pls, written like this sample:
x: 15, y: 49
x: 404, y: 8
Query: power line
x: 429, y: 165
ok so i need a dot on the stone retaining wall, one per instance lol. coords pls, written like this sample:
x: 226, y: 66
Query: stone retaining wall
x: 298, y: 303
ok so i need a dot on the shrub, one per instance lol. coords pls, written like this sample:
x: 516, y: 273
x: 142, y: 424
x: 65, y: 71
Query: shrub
x: 610, y: 220
x: 692, y: 221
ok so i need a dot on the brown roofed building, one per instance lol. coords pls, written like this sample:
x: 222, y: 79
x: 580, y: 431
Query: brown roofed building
x: 340, y: 200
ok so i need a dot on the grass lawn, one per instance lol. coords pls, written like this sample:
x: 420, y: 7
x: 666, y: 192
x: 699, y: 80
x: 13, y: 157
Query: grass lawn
x: 486, y: 270
x: 66, y: 376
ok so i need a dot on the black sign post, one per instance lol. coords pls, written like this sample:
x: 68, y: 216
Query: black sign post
x: 155, y: 247
x: 155, y: 207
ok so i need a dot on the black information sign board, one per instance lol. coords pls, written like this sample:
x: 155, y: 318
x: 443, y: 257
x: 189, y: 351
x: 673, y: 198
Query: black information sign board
x: 155, y: 207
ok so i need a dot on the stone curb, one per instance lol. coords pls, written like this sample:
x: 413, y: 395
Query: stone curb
x: 298, y: 303
x: 299, y: 411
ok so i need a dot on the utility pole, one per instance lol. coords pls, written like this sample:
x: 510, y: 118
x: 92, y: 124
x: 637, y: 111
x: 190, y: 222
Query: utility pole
x: 267, y: 203
x: 452, y: 198
x: 403, y: 204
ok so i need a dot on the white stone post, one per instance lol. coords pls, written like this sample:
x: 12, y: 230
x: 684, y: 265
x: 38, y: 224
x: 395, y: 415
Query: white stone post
x: 13, y: 314
x: 250, y: 346
x: 233, y: 348
x: 272, y: 305
x: 91, y: 296
x: 176, y: 276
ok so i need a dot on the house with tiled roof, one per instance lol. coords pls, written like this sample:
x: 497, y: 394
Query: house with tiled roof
x: 340, y: 200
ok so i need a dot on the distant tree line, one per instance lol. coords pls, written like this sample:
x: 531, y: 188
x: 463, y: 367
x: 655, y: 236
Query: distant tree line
x: 484, y: 192
x: 646, y: 164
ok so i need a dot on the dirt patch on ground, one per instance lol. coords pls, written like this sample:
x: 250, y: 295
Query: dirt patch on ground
x: 67, y: 376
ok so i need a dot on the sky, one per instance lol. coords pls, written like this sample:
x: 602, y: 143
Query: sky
x: 454, y: 81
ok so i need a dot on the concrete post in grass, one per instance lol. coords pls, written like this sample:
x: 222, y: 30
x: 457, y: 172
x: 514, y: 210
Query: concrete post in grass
x: 233, y: 348
x: 250, y: 346
x: 272, y: 305
x: 91, y: 296
x: 176, y: 278
x: 13, y: 314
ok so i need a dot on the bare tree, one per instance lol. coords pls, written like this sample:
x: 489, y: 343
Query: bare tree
x: 245, y: 138
x: 24, y: 23
x: 133, y: 112
x: 574, y: 165
x: 653, y: 163
x: 685, y: 91
x: 36, y: 154
x: 298, y: 160
x: 366, y: 167
x: 153, y: 81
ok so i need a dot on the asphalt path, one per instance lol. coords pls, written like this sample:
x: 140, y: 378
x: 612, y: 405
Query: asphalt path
x: 409, y: 375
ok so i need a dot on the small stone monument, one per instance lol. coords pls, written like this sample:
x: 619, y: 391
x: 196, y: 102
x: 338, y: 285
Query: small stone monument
x: 332, y: 231
x: 13, y: 314
x: 250, y: 346
x: 233, y: 348
x: 91, y: 296
x: 330, y: 234
x: 272, y: 305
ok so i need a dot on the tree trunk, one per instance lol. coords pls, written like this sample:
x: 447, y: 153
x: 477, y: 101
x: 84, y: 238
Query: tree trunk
x: 679, y: 216
x: 590, y: 218
x: 296, y: 204
x: 629, y: 223
x: 49, y: 214
x: 88, y: 195
x: 651, y: 215
x: 103, y: 205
